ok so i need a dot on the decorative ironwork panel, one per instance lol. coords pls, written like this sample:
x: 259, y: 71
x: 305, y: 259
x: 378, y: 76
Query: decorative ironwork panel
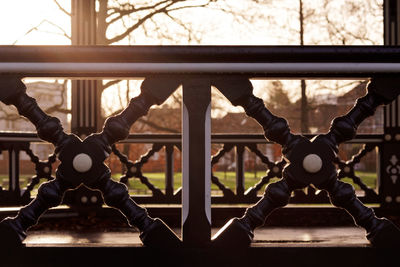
x: 82, y: 163
x: 310, y: 162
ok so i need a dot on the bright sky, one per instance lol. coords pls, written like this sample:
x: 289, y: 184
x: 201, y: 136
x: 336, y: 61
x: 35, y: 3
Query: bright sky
x: 270, y: 26
x: 17, y: 17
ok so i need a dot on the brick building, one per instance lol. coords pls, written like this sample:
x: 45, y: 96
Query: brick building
x: 47, y: 94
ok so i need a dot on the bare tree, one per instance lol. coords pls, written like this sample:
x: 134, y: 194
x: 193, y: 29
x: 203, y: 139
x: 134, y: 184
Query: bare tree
x: 123, y: 22
x: 10, y: 115
x: 333, y: 22
x: 358, y: 22
x: 304, y: 100
x: 118, y: 21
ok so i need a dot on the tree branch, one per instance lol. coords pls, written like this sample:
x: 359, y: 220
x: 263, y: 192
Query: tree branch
x: 134, y: 27
x: 165, y: 9
x: 61, y: 8
x: 110, y: 83
x: 36, y: 28
x: 149, y: 123
x: 157, y: 127
x: 59, y: 107
x: 123, y: 11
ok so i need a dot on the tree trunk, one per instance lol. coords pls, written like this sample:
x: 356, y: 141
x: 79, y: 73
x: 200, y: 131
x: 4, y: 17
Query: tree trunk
x: 304, y: 102
x: 304, y: 108
x: 101, y: 23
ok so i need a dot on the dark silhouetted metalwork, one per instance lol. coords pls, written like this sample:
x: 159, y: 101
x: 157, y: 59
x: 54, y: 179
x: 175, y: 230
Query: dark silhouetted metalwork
x: 82, y: 163
x: 309, y: 162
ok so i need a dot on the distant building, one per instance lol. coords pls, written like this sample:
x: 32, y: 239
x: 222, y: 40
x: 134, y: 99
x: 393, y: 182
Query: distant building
x: 47, y: 95
x: 323, y: 113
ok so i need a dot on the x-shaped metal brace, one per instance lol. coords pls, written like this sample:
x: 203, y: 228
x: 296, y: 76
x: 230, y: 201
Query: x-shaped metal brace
x: 82, y: 162
x: 309, y: 162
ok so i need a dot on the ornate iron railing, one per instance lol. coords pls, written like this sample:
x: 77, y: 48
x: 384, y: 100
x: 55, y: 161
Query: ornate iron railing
x: 306, y: 161
x: 15, y: 143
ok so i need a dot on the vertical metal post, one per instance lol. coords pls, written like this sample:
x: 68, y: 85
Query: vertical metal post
x: 86, y: 94
x: 239, y: 170
x: 389, y: 184
x: 169, y: 170
x: 13, y: 157
x: 196, y: 162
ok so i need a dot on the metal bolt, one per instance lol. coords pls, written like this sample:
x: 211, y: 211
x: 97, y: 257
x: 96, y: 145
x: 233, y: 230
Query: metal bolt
x: 398, y: 199
x: 275, y: 169
x: 82, y: 162
x: 46, y: 170
x: 347, y: 169
x: 84, y: 199
x: 93, y: 199
x: 388, y: 137
x: 388, y: 199
x: 397, y: 137
x: 133, y: 169
x: 312, y: 163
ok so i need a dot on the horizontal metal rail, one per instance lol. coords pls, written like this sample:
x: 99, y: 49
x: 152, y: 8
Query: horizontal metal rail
x: 253, y: 61
x: 189, y: 54
x: 130, y: 70
x: 176, y: 138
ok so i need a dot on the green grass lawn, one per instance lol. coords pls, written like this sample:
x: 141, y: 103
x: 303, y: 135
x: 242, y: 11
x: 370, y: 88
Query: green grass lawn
x: 158, y: 180
x: 228, y: 179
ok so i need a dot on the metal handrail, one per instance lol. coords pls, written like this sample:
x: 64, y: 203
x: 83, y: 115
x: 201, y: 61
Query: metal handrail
x: 256, y: 61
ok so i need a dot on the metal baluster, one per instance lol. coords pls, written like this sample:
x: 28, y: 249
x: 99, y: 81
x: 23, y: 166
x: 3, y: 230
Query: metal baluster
x: 389, y: 150
x: 240, y: 231
x: 228, y: 193
x: 196, y: 165
x: 346, y: 169
x: 82, y: 162
x: 225, y: 190
x: 380, y: 231
x: 13, y: 162
x: 134, y: 169
x: 43, y: 170
x: 13, y: 91
x: 274, y: 170
x: 131, y: 168
x: 309, y: 162
x: 169, y: 171
x: 239, y: 170
x: 13, y: 195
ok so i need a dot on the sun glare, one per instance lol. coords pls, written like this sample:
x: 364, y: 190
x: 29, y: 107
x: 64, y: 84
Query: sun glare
x: 40, y: 22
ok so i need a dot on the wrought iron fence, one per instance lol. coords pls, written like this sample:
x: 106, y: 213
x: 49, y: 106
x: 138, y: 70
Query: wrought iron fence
x: 307, y: 160
x: 13, y: 194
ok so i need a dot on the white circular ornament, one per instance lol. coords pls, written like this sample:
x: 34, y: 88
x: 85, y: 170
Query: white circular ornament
x: 312, y: 163
x: 82, y: 162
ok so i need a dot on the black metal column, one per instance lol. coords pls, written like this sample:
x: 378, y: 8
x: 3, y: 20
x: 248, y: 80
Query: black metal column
x: 196, y: 164
x: 240, y: 170
x: 86, y: 107
x: 389, y: 185
x: 169, y: 170
x: 13, y: 184
x: 86, y: 94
